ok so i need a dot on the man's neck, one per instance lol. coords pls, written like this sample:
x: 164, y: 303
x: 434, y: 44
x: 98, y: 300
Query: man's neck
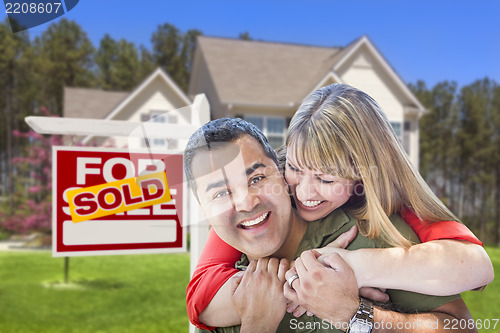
x: 291, y: 244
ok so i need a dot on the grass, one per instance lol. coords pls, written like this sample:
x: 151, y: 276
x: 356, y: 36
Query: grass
x: 484, y: 304
x: 4, y: 235
x: 141, y: 293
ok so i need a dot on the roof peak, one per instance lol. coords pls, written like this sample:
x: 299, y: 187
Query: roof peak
x: 233, y: 39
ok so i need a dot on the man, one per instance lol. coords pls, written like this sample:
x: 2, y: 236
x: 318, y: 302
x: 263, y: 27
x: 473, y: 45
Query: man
x: 234, y: 174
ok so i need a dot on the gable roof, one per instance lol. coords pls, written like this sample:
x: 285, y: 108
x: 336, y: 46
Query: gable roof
x: 158, y: 73
x: 101, y: 104
x: 249, y: 71
x: 279, y: 74
x: 90, y: 103
x: 365, y: 41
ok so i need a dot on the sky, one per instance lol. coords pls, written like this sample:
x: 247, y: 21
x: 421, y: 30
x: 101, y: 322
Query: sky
x: 427, y: 40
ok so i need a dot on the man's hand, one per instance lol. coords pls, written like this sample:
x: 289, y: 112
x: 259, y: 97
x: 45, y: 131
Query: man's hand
x: 258, y: 297
x: 330, y: 292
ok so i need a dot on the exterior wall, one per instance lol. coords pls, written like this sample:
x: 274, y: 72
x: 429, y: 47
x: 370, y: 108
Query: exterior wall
x: 414, y: 143
x: 363, y: 72
x: 157, y: 98
x: 201, y: 82
x: 268, y: 116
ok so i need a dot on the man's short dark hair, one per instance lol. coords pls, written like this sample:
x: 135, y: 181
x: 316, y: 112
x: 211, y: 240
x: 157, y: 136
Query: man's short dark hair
x: 219, y: 131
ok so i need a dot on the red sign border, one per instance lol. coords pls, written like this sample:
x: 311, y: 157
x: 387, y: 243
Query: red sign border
x: 61, y: 250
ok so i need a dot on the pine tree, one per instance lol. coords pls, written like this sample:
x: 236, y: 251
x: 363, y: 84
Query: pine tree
x: 118, y: 64
x: 66, y: 54
x: 173, y: 51
x: 16, y: 89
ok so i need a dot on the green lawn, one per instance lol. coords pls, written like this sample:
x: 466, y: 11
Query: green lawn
x: 134, y: 293
x: 140, y: 293
x: 485, y: 304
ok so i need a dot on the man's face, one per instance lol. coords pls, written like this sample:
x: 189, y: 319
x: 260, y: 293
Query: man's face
x: 243, y: 196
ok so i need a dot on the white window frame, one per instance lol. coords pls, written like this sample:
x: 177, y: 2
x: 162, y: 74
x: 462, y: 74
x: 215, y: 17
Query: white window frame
x: 265, y: 129
x: 399, y: 134
x: 405, y: 128
x: 166, y: 117
x: 406, y: 134
x: 154, y: 114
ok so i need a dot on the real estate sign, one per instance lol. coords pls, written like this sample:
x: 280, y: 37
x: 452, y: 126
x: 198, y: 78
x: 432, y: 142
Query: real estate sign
x: 110, y: 201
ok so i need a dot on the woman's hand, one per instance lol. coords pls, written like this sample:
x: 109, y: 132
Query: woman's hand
x: 338, y: 245
x: 330, y: 292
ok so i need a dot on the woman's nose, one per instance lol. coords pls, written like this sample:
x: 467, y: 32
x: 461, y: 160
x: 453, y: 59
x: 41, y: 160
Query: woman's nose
x: 305, y: 189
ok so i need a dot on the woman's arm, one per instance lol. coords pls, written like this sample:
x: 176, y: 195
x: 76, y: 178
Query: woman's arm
x: 215, y: 267
x: 438, y: 230
x: 449, y: 261
x: 441, y: 267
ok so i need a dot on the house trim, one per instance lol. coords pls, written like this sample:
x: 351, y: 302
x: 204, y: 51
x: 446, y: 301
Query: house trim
x: 330, y: 75
x: 234, y: 105
x: 389, y: 70
x: 158, y: 72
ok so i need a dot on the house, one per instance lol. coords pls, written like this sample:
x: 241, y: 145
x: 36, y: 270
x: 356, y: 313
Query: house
x: 265, y: 82
x: 156, y: 99
x: 262, y: 82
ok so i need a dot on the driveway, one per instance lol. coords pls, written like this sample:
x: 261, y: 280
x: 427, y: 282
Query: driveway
x: 19, y: 246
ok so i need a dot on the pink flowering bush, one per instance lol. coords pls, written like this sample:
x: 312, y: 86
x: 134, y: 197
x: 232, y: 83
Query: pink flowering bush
x: 33, y: 206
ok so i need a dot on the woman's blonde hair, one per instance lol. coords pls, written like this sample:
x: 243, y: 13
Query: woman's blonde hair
x: 340, y: 130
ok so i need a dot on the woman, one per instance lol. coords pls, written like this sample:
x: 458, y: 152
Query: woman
x: 342, y: 152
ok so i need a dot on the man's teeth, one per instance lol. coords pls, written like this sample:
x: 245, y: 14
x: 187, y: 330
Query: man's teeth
x: 311, y: 203
x: 256, y: 221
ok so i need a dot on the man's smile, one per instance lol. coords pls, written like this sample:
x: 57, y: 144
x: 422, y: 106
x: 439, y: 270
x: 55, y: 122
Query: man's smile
x: 256, y: 222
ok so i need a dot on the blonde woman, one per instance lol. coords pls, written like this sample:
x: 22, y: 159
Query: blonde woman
x: 342, y: 152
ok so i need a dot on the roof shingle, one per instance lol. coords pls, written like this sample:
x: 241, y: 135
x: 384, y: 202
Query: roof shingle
x: 90, y: 103
x: 270, y: 73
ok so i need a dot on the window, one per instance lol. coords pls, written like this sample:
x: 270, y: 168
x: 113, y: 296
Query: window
x: 396, y: 126
x: 272, y: 127
x: 402, y: 131
x: 406, y: 136
x: 160, y: 116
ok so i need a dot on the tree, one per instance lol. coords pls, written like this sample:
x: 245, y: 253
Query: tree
x: 245, y: 36
x: 435, y: 134
x: 495, y: 160
x: 146, y: 63
x: 476, y: 165
x: 460, y: 150
x: 33, y: 206
x: 16, y: 89
x: 187, y: 53
x: 104, y: 59
x: 66, y: 59
x: 173, y: 51
x: 118, y: 64
x: 166, y: 45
